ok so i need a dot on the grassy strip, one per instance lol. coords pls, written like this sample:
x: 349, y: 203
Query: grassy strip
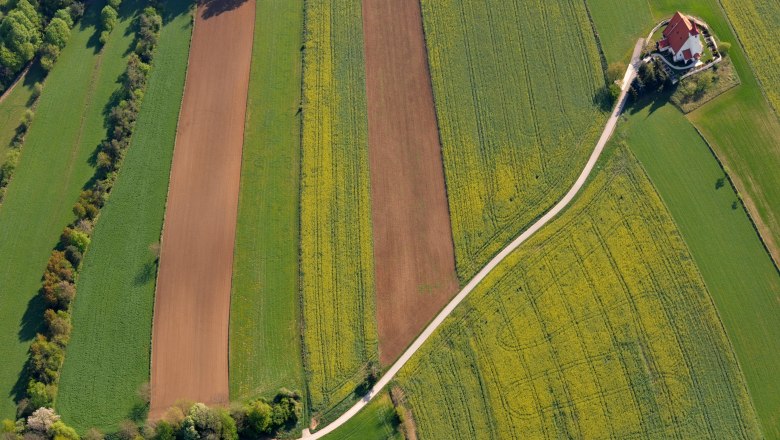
x: 599, y: 327
x: 265, y: 343
x: 619, y: 24
x: 337, y: 272
x: 53, y: 169
x: 735, y: 266
x: 14, y: 105
x: 108, y: 356
x: 377, y: 421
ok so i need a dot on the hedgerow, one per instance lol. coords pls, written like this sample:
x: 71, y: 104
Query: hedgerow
x: 58, y: 287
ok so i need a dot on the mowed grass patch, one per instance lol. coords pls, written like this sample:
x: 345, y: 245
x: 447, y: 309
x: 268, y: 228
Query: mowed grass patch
x: 54, y: 167
x: 756, y: 23
x: 514, y: 85
x: 337, y: 268
x: 107, y: 359
x: 14, y: 105
x: 377, y: 421
x: 265, y: 338
x: 599, y: 327
x: 619, y: 24
x: 736, y: 268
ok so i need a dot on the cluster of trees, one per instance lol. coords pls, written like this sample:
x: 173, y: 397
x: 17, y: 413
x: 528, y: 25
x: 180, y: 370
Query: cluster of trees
x: 12, y: 155
x: 257, y: 419
x: 651, y: 78
x: 30, y: 27
x: 47, y: 351
x: 108, y: 19
x: 43, y: 424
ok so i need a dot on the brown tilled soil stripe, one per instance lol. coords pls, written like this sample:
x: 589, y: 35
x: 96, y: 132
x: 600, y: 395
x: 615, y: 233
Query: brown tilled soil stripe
x: 413, y: 251
x: 191, y: 311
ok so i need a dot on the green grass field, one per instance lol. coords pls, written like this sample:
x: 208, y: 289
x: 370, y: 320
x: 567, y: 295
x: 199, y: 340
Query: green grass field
x: 619, y: 24
x: 54, y: 167
x: 265, y: 342
x: 514, y: 84
x: 377, y: 421
x: 108, y: 357
x: 337, y: 267
x: 14, y: 106
x: 599, y: 327
x: 737, y: 270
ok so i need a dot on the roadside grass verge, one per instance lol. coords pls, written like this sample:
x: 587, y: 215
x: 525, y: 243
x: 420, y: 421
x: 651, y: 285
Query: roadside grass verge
x: 14, y: 105
x: 107, y: 360
x: 337, y: 267
x: 377, y: 421
x: 599, y: 327
x: 53, y: 169
x: 515, y: 85
x: 265, y: 334
x: 735, y: 266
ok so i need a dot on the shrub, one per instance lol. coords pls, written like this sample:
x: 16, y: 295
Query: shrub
x: 60, y: 295
x: 37, y: 90
x: 57, y: 32
x: 45, y: 360
x: 258, y: 417
x: 39, y: 395
x: 58, y: 325
x: 114, y: 3
x: 74, y: 237
x: 42, y: 420
x: 108, y: 18
x: 65, y: 15
x: 61, y: 431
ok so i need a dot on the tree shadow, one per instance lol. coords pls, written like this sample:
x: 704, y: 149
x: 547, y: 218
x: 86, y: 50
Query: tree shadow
x: 171, y: 9
x: 652, y: 99
x: 146, y: 274
x: 32, y: 320
x: 19, y: 390
x: 213, y: 8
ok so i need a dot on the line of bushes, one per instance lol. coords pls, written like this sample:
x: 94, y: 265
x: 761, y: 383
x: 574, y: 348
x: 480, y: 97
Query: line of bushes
x: 55, y: 37
x: 58, y: 288
x: 108, y: 19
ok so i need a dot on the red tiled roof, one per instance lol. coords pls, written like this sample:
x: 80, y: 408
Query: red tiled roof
x: 663, y: 43
x: 678, y: 30
x: 687, y: 54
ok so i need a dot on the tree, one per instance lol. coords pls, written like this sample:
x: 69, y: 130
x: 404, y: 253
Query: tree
x: 42, y: 420
x: 45, y: 360
x: 258, y: 417
x: 59, y: 325
x: 108, y: 18
x: 57, y: 32
x: 163, y: 431
x: 61, y: 431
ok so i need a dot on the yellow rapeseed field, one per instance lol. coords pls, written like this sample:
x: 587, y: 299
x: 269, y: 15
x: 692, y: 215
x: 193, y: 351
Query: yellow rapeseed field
x: 337, y: 272
x: 756, y: 23
x: 514, y: 83
x: 599, y: 327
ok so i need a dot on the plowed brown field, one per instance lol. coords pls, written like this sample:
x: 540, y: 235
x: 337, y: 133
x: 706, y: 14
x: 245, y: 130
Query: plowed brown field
x: 191, y: 312
x: 413, y: 251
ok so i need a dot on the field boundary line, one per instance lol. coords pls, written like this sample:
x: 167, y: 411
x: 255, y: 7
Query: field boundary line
x: 390, y: 374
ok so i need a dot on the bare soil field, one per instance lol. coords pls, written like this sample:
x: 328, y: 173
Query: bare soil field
x: 413, y: 250
x: 192, y: 303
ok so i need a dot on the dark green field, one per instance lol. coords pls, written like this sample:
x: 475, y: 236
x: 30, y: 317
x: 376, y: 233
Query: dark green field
x: 108, y: 356
x: 54, y: 167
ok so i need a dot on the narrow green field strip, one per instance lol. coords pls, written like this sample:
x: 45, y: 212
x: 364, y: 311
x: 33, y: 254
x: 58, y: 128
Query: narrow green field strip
x: 600, y: 326
x: 736, y: 268
x: 53, y: 168
x: 337, y: 261
x: 108, y: 357
x: 265, y: 336
x: 377, y: 421
x: 514, y: 84
x: 14, y: 105
x: 619, y: 24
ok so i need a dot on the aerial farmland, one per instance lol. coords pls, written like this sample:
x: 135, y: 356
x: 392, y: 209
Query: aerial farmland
x: 375, y: 220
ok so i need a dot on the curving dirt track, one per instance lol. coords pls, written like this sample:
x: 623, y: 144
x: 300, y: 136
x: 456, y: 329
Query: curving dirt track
x: 192, y: 303
x: 413, y: 249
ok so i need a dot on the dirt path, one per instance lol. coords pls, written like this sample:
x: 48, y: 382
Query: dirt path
x: 192, y: 303
x: 413, y: 249
x: 391, y: 372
